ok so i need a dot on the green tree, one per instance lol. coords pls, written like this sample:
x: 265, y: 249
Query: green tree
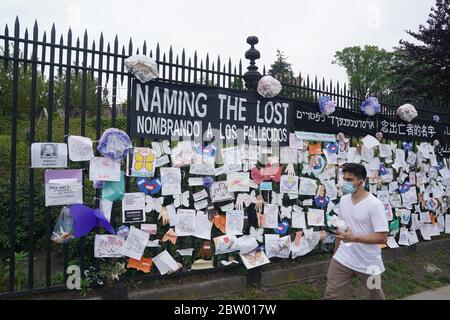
x: 24, y: 89
x: 368, y: 69
x: 427, y: 61
x: 281, y: 68
x: 76, y: 86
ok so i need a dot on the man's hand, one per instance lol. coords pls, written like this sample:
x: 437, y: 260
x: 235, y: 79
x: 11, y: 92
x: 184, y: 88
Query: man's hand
x: 346, y: 236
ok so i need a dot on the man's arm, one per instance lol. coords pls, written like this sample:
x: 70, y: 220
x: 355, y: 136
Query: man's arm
x: 372, y: 238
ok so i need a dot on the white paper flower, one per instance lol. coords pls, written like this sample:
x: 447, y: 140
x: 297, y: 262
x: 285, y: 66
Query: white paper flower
x: 142, y: 67
x: 407, y: 112
x: 269, y: 87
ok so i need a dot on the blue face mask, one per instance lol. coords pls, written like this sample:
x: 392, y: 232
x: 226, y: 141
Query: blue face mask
x: 348, y: 187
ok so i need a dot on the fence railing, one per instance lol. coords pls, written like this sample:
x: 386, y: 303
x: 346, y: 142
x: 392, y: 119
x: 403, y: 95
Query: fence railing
x: 42, y: 74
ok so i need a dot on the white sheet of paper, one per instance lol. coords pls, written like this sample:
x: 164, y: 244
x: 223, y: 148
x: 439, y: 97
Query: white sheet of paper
x: 353, y: 155
x: 307, y: 186
x: 238, y: 182
x: 108, y: 246
x: 315, y: 217
x: 412, y: 237
x: 133, y: 207
x: 135, y: 243
x: 403, y: 238
x: 48, y: 155
x: 385, y: 150
x: 106, y: 208
x: 171, y: 181
x: 271, y: 216
x: 63, y: 191
x: 219, y: 192
x: 80, y: 148
x: 298, y: 219
x: 391, y: 243
x: 447, y: 223
x: 202, y: 226
x: 195, y: 182
x: 200, y: 195
x: 288, y: 155
x: 186, y: 252
x: 165, y: 263
x: 289, y: 184
x: 370, y: 142
x: 231, y: 155
x: 331, y: 189
x: 234, y: 222
x: 185, y: 225
x: 104, y: 169
x: 201, y: 204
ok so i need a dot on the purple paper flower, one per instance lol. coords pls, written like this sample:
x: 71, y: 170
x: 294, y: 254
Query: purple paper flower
x: 436, y: 118
x: 98, y: 184
x: 407, y: 145
x: 114, y: 144
x: 370, y: 106
x: 383, y: 170
x: 207, y: 182
x: 326, y: 105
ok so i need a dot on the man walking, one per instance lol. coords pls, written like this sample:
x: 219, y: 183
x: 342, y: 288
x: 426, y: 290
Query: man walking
x: 356, y: 251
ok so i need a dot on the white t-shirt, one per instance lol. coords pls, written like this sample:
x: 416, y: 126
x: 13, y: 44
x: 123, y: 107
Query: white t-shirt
x: 366, y: 217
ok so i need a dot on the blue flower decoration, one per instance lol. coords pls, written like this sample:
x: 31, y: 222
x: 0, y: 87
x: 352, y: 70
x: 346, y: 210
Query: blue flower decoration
x: 407, y: 145
x: 326, y: 105
x: 370, y: 106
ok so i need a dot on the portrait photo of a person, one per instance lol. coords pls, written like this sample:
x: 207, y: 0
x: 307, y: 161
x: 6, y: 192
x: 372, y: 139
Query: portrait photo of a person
x: 49, y: 150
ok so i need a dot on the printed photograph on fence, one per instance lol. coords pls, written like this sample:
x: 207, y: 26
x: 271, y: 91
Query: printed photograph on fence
x: 63, y: 187
x: 48, y: 155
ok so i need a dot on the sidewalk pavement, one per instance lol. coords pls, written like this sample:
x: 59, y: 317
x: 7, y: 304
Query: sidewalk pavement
x: 439, y: 294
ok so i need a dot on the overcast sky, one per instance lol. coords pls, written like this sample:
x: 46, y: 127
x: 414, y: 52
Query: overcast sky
x: 308, y: 31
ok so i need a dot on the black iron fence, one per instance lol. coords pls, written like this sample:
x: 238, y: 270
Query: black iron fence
x: 45, y: 83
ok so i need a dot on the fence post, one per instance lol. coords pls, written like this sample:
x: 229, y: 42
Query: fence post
x: 252, y: 76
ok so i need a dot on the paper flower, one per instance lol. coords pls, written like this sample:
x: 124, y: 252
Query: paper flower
x: 123, y: 231
x: 379, y: 135
x: 383, y: 170
x: 407, y: 112
x: 269, y: 87
x: 436, y: 143
x: 436, y: 118
x: 407, y: 146
x: 142, y: 67
x: 114, y: 144
x: 326, y: 105
x: 207, y: 182
x: 98, y: 184
x: 370, y: 106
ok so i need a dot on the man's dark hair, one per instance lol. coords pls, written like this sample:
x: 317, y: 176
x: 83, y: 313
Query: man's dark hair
x: 356, y: 169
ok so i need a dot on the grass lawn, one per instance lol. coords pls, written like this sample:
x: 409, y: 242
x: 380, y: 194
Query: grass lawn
x: 403, y: 277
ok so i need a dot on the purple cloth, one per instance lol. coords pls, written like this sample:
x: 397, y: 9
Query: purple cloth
x: 86, y: 219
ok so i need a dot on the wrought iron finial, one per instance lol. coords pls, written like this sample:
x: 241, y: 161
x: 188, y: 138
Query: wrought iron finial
x: 252, y: 76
